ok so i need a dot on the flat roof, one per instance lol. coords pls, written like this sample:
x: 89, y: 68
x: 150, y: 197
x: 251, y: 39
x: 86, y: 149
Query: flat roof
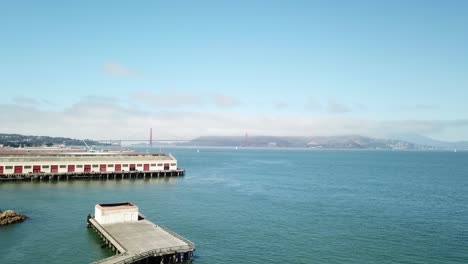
x: 24, y: 156
x: 116, y: 206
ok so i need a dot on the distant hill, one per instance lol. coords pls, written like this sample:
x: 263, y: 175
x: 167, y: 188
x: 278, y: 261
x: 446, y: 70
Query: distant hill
x: 316, y: 142
x: 422, y: 140
x: 17, y: 140
x: 360, y: 142
x: 322, y: 142
x: 238, y: 141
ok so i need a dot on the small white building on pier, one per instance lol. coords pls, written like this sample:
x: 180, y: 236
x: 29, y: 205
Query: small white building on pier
x: 135, y: 239
x: 116, y: 213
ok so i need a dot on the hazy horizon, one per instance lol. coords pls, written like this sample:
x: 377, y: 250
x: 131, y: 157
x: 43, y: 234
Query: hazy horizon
x: 298, y: 68
x: 243, y: 139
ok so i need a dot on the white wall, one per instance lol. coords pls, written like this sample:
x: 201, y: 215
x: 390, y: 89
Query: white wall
x: 172, y: 163
x: 113, y: 215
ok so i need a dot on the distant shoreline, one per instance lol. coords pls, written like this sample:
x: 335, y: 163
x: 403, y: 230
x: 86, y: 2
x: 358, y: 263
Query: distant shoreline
x: 280, y: 148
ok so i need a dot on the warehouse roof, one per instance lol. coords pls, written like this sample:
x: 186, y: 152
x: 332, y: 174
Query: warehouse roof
x: 81, y: 156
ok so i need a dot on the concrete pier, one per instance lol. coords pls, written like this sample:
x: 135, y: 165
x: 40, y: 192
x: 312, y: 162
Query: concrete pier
x: 142, y: 241
x: 92, y: 175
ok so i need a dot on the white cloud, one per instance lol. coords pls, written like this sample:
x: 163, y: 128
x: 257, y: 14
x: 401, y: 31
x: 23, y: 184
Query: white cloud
x: 183, y: 98
x: 225, y: 100
x: 417, y: 106
x: 281, y: 105
x: 24, y: 100
x: 335, y: 107
x: 179, y: 98
x: 313, y: 104
x: 47, y: 102
x: 116, y: 69
x: 101, y: 118
x: 331, y: 106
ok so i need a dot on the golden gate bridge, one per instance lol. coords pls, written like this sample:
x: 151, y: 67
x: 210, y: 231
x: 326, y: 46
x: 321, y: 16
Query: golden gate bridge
x: 151, y: 140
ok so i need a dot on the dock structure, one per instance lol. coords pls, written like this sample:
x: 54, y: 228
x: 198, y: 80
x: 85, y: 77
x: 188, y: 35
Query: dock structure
x: 135, y: 239
x: 30, y: 166
x: 104, y: 175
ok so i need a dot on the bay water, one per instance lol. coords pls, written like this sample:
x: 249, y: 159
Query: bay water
x: 264, y: 206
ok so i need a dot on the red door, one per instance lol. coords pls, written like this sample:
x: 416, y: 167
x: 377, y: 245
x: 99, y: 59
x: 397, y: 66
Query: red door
x: 118, y: 167
x: 1, y: 169
x: 87, y: 168
x: 102, y: 167
x: 36, y: 169
x: 146, y: 167
x: 18, y: 169
x: 54, y: 168
x: 132, y: 167
x: 166, y: 166
x: 71, y: 168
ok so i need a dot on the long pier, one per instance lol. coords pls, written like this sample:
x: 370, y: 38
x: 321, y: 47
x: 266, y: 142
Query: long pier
x: 142, y: 242
x: 91, y: 175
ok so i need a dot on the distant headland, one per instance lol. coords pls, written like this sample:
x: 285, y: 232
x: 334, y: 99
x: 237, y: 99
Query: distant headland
x: 17, y: 140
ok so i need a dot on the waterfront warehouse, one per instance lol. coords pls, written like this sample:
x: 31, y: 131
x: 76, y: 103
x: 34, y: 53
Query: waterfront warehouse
x: 21, y: 165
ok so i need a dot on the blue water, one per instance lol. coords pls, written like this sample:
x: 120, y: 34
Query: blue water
x: 265, y: 206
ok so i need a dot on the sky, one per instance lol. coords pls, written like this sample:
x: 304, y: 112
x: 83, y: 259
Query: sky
x: 113, y: 69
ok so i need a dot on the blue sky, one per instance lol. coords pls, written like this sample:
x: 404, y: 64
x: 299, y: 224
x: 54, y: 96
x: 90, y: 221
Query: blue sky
x: 396, y: 66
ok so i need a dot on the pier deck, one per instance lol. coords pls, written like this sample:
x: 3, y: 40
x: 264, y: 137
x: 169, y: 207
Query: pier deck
x: 142, y: 240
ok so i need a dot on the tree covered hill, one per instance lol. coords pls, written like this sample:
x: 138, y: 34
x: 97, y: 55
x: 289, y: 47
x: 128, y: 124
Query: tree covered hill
x: 17, y: 140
